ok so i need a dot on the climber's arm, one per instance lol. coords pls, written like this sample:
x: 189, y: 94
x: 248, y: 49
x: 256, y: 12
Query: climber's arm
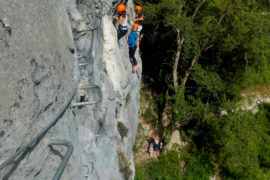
x: 138, y: 42
x: 121, y: 21
x: 139, y: 19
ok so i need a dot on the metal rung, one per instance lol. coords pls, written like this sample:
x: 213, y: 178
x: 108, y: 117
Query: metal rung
x: 81, y: 57
x: 84, y: 103
x: 88, y: 87
x: 80, y: 35
x: 63, y: 164
x: 89, y: 102
x: 88, y: 29
x: 83, y: 63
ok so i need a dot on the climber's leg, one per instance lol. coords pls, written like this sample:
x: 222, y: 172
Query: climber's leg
x: 121, y: 33
x: 139, y: 29
x: 133, y: 59
x: 132, y: 56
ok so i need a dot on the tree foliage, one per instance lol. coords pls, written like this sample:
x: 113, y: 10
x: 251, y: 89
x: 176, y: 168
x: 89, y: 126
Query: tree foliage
x: 226, y: 48
x: 234, y: 33
x: 169, y: 167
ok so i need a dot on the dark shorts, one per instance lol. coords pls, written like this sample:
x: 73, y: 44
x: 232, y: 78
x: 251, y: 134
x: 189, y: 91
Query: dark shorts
x: 121, y: 33
x: 156, y: 147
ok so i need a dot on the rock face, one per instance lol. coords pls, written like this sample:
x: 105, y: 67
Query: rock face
x: 175, y: 139
x: 43, y: 45
x: 252, y: 101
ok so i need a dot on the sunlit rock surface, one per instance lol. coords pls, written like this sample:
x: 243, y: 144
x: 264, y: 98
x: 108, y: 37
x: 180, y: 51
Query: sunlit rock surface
x: 41, y: 44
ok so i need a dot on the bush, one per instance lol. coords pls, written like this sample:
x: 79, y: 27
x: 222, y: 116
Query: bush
x: 170, y: 166
x: 123, y: 130
x: 124, y: 166
x: 140, y: 139
x: 197, y: 165
x: 128, y: 98
x: 167, y: 167
x: 242, y: 144
x: 140, y: 174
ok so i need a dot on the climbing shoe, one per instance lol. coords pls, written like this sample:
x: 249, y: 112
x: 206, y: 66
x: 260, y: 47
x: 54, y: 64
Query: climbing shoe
x: 136, y: 67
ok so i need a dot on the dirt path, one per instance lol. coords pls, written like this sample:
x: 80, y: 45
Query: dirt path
x: 145, y: 130
x: 144, y: 158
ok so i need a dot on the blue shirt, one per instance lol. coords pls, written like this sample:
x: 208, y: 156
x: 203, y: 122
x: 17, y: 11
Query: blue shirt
x: 133, y: 36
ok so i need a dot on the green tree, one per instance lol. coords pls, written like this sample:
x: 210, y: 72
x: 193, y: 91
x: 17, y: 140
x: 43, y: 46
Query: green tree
x: 203, y: 54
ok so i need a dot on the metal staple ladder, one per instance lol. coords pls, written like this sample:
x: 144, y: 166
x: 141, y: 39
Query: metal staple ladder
x: 44, y: 130
x: 63, y: 164
x: 39, y: 136
x: 90, y: 102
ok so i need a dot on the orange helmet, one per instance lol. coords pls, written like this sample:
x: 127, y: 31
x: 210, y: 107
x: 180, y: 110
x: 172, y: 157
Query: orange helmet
x: 121, y: 8
x: 138, y: 8
x: 153, y: 136
x: 136, y: 25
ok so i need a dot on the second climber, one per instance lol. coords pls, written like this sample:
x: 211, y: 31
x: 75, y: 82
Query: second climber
x: 139, y: 18
x: 133, y: 42
x: 122, y: 19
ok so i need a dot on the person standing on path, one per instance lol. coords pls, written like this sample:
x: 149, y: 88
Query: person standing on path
x: 156, y: 145
x: 151, y: 150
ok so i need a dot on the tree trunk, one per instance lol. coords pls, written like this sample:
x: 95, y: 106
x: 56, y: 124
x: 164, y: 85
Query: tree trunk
x: 222, y: 16
x: 155, y: 34
x: 198, y: 7
x: 177, y: 57
x: 188, y: 71
x: 180, y: 43
x: 194, y: 59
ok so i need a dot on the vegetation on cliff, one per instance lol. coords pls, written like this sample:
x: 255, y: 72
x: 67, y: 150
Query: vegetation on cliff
x: 203, y: 54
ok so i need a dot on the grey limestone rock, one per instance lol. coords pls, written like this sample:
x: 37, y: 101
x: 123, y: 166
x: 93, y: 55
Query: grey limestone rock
x: 43, y: 45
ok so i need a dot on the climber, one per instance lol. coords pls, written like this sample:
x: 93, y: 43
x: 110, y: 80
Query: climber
x: 152, y: 139
x: 122, y: 20
x: 160, y: 146
x: 156, y: 145
x: 133, y: 42
x: 139, y: 19
x: 151, y: 149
